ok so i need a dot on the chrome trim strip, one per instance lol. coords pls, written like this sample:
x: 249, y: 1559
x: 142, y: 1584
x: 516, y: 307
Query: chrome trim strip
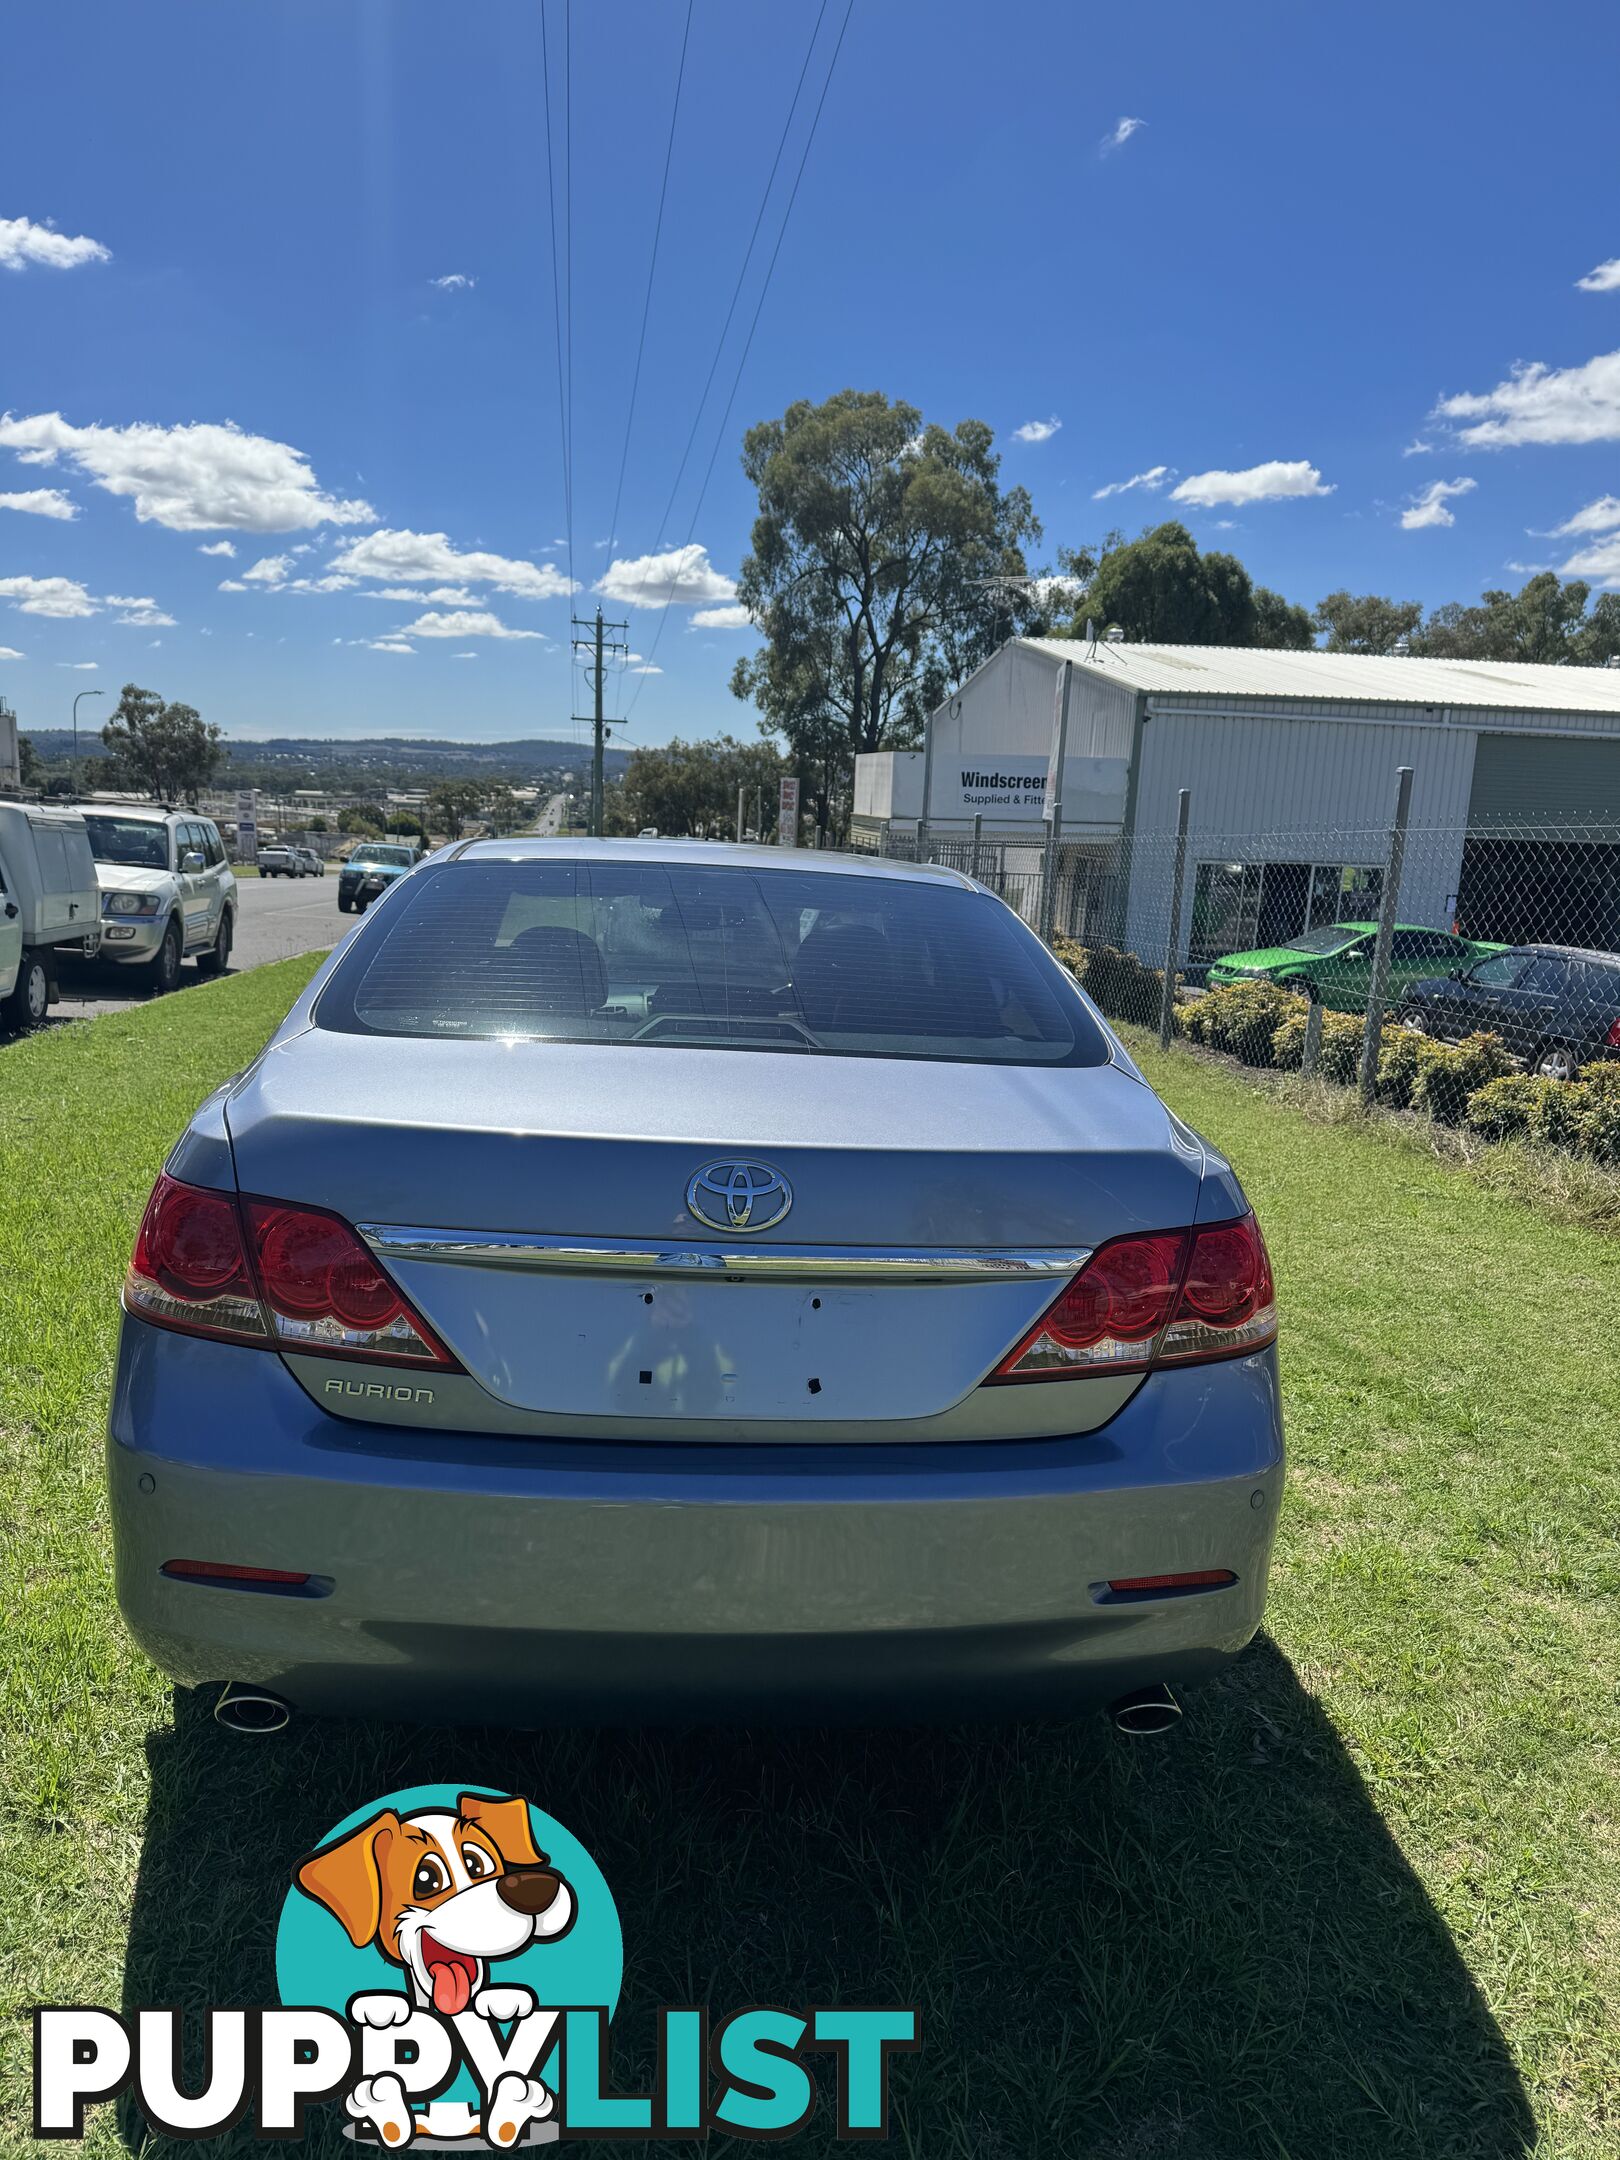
x: 780, y: 1263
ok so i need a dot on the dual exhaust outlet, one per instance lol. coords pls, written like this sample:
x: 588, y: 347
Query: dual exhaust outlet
x: 256, y: 1712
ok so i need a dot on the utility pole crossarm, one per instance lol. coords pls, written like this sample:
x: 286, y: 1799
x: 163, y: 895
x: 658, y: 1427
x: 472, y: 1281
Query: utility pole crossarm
x: 596, y: 646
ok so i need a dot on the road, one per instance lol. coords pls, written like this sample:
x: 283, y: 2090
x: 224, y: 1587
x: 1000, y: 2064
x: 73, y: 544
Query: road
x: 275, y: 918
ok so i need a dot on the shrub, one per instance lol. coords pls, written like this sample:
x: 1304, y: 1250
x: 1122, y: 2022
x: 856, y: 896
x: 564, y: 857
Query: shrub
x: 1247, y: 1018
x: 1398, y: 1067
x: 1124, y: 987
x: 1555, y: 1114
x: 1597, y: 1114
x: 1501, y: 1109
x: 1449, y: 1073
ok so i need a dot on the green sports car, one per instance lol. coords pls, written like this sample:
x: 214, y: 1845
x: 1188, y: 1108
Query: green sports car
x: 1335, y: 962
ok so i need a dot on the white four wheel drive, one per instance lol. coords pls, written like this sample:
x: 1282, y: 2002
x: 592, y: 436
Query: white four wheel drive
x: 48, y: 898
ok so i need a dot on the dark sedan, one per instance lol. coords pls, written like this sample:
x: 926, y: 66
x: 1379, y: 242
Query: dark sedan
x: 1554, y: 1006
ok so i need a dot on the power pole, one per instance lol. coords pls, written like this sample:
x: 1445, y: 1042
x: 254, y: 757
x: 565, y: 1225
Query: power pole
x: 595, y: 646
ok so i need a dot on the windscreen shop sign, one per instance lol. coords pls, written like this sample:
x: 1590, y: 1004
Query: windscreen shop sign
x: 1008, y: 789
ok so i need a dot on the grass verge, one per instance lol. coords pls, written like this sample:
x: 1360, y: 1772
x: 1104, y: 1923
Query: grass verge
x: 1365, y: 1903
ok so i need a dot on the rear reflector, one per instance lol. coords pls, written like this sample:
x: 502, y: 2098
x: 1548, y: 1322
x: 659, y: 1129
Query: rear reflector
x: 271, y: 1274
x: 1205, y: 1579
x: 223, y: 1571
x: 1172, y: 1297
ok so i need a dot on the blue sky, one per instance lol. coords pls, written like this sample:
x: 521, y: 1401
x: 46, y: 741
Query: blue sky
x: 1323, y: 224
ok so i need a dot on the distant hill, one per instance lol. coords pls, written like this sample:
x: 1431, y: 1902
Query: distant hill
x: 368, y: 761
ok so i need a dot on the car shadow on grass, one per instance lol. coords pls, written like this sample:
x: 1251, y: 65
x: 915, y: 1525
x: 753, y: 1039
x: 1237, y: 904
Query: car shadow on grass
x: 1200, y: 1947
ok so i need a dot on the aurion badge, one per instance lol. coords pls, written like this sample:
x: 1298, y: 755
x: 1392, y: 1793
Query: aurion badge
x: 739, y: 1195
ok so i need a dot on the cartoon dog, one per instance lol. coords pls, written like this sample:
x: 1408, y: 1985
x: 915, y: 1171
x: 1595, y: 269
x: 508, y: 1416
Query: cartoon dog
x: 441, y: 1895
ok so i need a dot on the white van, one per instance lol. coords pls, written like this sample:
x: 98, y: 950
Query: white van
x: 49, y: 897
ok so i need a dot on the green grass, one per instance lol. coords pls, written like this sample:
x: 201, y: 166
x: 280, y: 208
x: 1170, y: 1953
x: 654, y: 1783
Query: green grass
x: 1364, y: 1902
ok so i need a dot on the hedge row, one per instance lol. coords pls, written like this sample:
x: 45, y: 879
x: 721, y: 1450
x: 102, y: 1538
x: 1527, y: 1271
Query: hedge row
x: 1473, y: 1083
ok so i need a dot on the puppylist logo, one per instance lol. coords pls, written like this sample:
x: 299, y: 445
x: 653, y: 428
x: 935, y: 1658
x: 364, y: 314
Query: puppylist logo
x: 448, y: 1962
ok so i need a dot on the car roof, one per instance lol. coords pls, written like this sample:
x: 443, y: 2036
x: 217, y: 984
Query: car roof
x: 1571, y: 952
x: 157, y: 812
x: 716, y: 853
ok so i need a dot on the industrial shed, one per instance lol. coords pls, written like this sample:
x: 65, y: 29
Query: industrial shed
x: 1290, y: 761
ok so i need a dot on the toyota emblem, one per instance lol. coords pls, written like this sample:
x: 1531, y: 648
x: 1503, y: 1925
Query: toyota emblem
x: 739, y: 1196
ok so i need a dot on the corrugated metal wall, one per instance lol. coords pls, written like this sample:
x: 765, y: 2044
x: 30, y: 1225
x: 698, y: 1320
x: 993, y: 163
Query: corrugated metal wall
x: 1325, y: 788
x: 1537, y: 779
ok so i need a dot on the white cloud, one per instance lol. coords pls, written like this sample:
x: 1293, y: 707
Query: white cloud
x: 22, y: 242
x: 464, y: 656
x: 1275, y: 481
x: 463, y: 623
x: 232, y: 584
x: 80, y: 667
x: 457, y: 281
x: 646, y: 668
x: 1539, y: 404
x: 1152, y: 480
x: 47, y: 596
x: 41, y: 502
x: 217, y: 547
x: 10, y: 652
x: 142, y: 611
x: 389, y: 644
x: 1417, y: 447
x: 405, y: 557
x: 1599, y: 559
x: 1119, y: 136
x: 1605, y: 278
x: 192, y: 477
x: 1037, y: 430
x: 682, y: 575
x: 1429, y: 508
x: 732, y: 617
x: 1602, y: 515
x: 269, y: 570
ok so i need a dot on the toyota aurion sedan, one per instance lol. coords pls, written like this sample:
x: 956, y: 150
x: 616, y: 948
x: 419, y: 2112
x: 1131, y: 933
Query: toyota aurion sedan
x: 674, y: 1279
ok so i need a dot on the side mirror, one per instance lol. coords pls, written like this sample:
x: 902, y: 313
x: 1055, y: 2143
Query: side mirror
x: 192, y: 859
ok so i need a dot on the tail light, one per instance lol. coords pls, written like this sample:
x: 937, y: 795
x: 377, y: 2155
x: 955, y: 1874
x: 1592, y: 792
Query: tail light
x: 1613, y: 1036
x: 1172, y: 1298
x: 271, y: 1274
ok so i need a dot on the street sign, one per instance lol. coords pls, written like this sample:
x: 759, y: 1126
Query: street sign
x: 247, y: 825
x: 787, y: 815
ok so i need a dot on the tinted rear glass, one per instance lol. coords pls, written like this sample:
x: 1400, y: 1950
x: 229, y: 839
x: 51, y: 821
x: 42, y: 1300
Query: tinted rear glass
x: 682, y: 956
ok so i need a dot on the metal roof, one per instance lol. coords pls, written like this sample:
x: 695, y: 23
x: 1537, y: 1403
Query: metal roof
x: 1223, y: 672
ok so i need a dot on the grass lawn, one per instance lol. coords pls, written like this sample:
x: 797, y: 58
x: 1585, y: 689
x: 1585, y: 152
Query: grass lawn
x: 1366, y: 1901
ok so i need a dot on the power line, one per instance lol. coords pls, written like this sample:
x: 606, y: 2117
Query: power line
x: 652, y: 271
x: 759, y: 305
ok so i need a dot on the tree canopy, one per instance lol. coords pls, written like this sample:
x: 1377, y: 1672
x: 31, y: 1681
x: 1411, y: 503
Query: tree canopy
x: 167, y: 751
x: 1366, y: 622
x: 691, y: 787
x: 1544, y: 620
x: 873, y: 570
x: 1161, y: 590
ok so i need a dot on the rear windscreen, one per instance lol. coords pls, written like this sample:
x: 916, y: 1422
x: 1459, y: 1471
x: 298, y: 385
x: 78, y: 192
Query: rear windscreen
x: 735, y: 958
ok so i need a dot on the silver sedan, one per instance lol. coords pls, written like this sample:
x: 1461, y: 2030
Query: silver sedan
x: 658, y: 1279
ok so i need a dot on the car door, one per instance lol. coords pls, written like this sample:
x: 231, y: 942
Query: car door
x: 196, y: 885
x: 1481, y: 999
x: 220, y: 881
x: 1345, y: 977
x: 1416, y: 955
x: 10, y: 936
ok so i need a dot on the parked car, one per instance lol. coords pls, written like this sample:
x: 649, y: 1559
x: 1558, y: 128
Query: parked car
x: 373, y: 866
x: 1555, y: 1006
x: 279, y: 858
x: 311, y: 864
x: 48, y: 899
x: 1335, y: 963
x: 166, y: 889
x: 658, y: 1277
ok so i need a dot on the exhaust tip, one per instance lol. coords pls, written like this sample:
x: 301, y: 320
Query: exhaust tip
x: 1144, y: 1711
x: 243, y: 1709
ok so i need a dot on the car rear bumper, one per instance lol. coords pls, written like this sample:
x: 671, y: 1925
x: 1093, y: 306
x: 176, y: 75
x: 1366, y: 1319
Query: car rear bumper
x: 512, y: 1581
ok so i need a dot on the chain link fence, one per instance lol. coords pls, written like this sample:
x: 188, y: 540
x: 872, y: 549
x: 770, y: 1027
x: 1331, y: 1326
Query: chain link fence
x: 1433, y: 925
